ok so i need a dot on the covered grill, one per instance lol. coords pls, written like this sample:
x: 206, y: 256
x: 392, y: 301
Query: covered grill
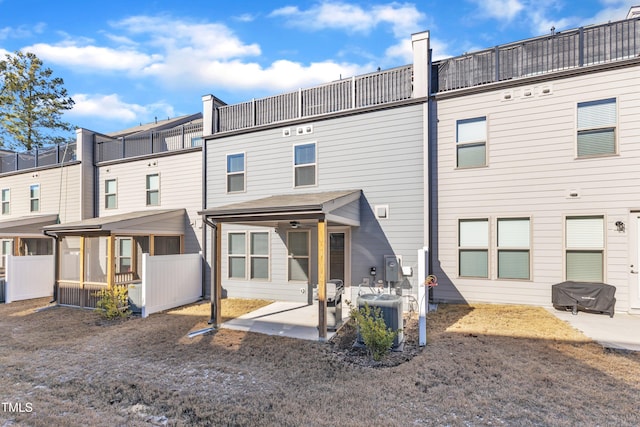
x: 586, y: 296
x: 334, y: 290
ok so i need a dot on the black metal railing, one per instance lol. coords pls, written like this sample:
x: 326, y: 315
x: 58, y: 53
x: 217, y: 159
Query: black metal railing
x: 145, y: 143
x: 38, y: 157
x: 363, y: 91
x: 585, y: 46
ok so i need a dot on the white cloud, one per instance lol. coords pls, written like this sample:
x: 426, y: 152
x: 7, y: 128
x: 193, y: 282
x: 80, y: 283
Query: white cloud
x: 112, y: 108
x: 22, y: 31
x: 403, y: 18
x: 94, y: 58
x: 500, y: 9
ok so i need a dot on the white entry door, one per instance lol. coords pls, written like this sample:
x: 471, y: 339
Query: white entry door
x: 634, y: 276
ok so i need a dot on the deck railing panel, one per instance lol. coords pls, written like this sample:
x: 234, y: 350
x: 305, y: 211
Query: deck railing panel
x: 342, y: 95
x: 38, y: 157
x: 560, y: 51
x: 174, y: 139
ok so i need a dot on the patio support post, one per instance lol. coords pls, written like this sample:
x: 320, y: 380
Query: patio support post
x: 322, y: 279
x: 81, y: 275
x: 111, y: 262
x: 216, y: 293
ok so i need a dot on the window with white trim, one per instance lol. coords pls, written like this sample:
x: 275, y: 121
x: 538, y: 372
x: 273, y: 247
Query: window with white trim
x: 153, y: 189
x: 584, y: 246
x: 6, y: 201
x: 471, y: 142
x: 110, y: 194
x: 124, y: 254
x: 258, y: 255
x: 298, y: 256
x: 34, y: 198
x: 235, y: 173
x: 304, y: 165
x: 473, y: 247
x: 237, y: 255
x: 597, y: 122
x: 256, y: 262
x: 513, y: 240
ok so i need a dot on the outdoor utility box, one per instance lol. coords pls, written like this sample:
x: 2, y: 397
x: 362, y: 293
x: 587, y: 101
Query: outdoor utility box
x: 134, y: 294
x: 391, y: 268
x: 390, y: 307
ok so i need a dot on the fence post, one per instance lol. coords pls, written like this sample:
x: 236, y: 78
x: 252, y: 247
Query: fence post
x: 353, y: 92
x: 497, y: 54
x: 299, y: 103
x: 580, y: 46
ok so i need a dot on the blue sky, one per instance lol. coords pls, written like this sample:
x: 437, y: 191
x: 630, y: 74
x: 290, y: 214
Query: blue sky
x: 128, y: 62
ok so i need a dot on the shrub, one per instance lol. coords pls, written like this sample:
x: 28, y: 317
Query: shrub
x: 113, y: 302
x: 377, y: 338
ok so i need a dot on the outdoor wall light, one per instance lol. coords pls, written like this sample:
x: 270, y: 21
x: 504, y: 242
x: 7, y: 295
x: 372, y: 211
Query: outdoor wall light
x: 620, y: 226
x: 294, y: 224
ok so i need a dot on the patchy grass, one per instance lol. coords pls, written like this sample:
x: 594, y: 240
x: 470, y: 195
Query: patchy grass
x: 483, y: 365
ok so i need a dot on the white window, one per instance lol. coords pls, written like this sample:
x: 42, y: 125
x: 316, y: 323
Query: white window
x: 471, y: 142
x: 6, y: 246
x: 304, y: 165
x: 597, y: 122
x: 34, y: 198
x: 124, y: 254
x: 110, y: 194
x: 153, y: 190
x: 298, y: 248
x: 259, y: 255
x: 6, y: 201
x: 237, y: 254
x: 235, y: 173
x: 473, y: 247
x: 584, y: 243
x: 514, y: 248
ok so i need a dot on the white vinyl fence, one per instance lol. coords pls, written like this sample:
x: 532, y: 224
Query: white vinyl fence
x: 169, y: 281
x: 29, y: 277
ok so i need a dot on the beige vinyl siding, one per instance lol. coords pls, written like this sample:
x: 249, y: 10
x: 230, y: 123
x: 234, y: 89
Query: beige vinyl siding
x: 532, y: 167
x: 59, y: 192
x: 180, y: 187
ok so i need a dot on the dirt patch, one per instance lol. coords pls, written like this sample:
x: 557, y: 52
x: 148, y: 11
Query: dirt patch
x: 483, y: 365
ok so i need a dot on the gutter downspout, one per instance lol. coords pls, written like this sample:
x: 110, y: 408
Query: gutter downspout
x: 204, y: 206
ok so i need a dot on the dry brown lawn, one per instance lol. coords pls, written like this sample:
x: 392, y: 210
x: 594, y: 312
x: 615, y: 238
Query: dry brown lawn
x: 483, y: 365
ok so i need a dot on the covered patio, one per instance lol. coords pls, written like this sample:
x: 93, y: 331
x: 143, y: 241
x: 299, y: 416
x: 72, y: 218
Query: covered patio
x: 23, y: 236
x: 99, y: 253
x: 315, y: 210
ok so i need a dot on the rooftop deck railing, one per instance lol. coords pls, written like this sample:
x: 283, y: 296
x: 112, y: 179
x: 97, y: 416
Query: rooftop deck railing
x: 584, y: 46
x: 38, y: 157
x: 179, y: 138
x: 357, y: 92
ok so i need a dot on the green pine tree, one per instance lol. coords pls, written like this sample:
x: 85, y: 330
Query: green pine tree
x: 32, y: 102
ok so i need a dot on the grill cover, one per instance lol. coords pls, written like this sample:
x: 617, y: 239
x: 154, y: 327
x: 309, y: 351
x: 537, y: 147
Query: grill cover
x: 588, y: 296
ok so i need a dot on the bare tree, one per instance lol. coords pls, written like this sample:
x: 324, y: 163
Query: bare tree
x: 32, y: 102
